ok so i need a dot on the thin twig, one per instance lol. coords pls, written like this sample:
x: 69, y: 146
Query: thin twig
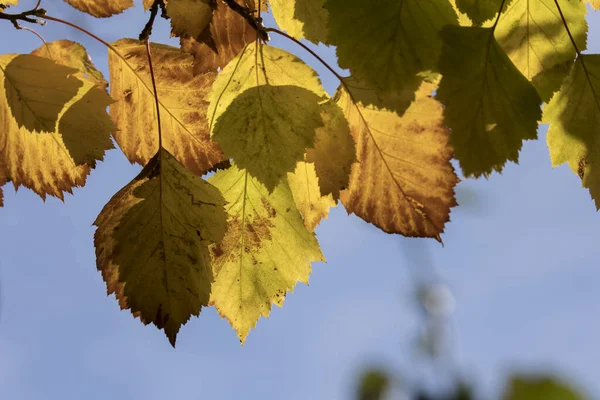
x: 147, y: 31
x: 255, y: 22
x: 31, y: 16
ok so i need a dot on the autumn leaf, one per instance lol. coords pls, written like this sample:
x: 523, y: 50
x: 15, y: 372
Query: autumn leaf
x: 73, y: 55
x: 302, y: 19
x: 403, y: 181
x: 306, y: 190
x: 36, y: 90
x: 388, y: 45
x: 101, y: 8
x: 480, y: 11
x: 334, y: 151
x: 191, y: 18
x: 264, y: 111
x: 265, y: 252
x: 8, y: 3
x: 594, y: 3
x: 230, y: 34
x: 490, y: 106
x: 152, y: 243
x: 51, y: 163
x: 533, y: 36
x: 182, y: 106
x: 574, y: 117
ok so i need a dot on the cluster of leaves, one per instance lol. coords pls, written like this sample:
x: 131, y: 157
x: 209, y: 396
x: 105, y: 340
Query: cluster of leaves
x: 429, y: 80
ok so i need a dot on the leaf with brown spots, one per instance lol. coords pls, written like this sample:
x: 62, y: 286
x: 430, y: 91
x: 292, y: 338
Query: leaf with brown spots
x: 152, y: 243
x: 230, y: 34
x: 266, y: 249
x: 403, y: 181
x: 182, y: 106
x: 101, y: 8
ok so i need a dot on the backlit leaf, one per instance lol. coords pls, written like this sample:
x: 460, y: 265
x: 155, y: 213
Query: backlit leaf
x: 388, y: 45
x: 490, y: 106
x: 271, y: 104
x: 266, y: 129
x: 183, y: 108
x: 594, y: 3
x: 334, y: 151
x: 574, y: 117
x: 74, y: 55
x: 36, y: 89
x: 230, y: 34
x: 302, y: 19
x: 51, y: 163
x: 533, y: 36
x: 306, y: 190
x: 101, y: 8
x: 152, y: 243
x: 265, y: 252
x: 403, y: 181
x: 191, y: 18
x: 480, y: 11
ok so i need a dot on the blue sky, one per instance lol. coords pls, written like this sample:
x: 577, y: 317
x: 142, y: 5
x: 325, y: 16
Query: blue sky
x: 521, y: 259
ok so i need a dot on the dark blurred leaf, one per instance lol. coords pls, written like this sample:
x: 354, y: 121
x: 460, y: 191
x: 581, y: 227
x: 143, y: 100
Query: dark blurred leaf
x: 546, y: 388
x: 373, y: 385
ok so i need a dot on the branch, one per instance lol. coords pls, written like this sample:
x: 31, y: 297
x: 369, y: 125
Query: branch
x: 30, y: 16
x: 255, y: 22
x: 147, y: 31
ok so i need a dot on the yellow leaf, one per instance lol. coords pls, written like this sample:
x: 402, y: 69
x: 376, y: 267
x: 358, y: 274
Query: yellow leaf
x: 302, y: 19
x: 190, y: 18
x: 305, y: 188
x: 533, y: 36
x: 9, y: 3
x: 266, y: 249
x: 264, y: 110
x: 37, y: 90
x: 334, y: 151
x: 594, y: 3
x: 101, y: 8
x: 266, y: 129
x: 403, y: 181
x: 152, y: 243
x: 73, y: 55
x: 54, y: 162
x: 230, y: 33
x: 574, y: 117
x: 147, y: 4
x: 183, y: 108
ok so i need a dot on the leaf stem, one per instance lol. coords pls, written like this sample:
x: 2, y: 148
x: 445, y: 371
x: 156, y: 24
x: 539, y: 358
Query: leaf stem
x: 147, y: 31
x: 148, y: 53
x: 255, y: 22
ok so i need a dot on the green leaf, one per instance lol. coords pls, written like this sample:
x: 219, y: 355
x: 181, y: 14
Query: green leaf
x: 386, y: 45
x: 533, y: 36
x: 574, y: 117
x: 152, y: 243
x: 265, y: 252
x: 480, y: 11
x: 302, y: 19
x: 490, y: 106
x: 528, y: 388
x: 267, y: 129
x: 36, y: 90
x: 271, y: 102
